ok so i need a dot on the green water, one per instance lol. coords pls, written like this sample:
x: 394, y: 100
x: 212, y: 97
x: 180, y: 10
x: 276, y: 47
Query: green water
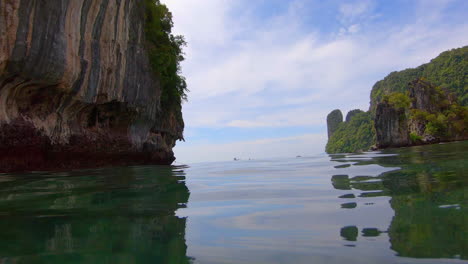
x: 397, y: 206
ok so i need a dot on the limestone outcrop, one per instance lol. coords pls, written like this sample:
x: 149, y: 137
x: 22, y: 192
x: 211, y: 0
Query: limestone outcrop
x: 334, y: 119
x: 391, y: 126
x: 423, y: 105
x: 76, y: 87
x: 432, y: 115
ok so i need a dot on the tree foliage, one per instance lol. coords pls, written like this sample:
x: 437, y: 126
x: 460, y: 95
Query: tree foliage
x: 448, y: 70
x: 355, y: 135
x: 334, y: 119
x: 352, y: 113
x: 398, y: 100
x: 447, y: 123
x: 444, y: 80
x: 165, y: 54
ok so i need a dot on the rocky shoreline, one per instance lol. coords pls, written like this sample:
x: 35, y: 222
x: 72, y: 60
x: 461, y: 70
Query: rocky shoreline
x: 24, y: 148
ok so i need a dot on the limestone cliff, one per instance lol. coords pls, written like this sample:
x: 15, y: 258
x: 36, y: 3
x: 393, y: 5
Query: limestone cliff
x: 353, y: 135
x: 424, y: 105
x: 447, y: 70
x: 334, y: 119
x: 391, y: 126
x: 77, y: 88
x: 427, y: 114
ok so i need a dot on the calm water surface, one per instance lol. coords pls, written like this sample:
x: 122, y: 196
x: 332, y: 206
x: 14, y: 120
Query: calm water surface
x: 397, y: 206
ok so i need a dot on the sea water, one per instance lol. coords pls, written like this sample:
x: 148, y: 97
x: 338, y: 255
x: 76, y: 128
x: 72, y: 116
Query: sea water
x: 407, y: 205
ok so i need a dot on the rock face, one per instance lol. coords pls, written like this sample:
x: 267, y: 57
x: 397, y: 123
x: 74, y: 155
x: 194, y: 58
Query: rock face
x: 391, y: 126
x: 334, y: 119
x: 433, y: 115
x: 76, y: 88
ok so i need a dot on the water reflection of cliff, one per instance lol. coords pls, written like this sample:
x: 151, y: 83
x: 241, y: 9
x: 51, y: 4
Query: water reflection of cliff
x: 428, y: 196
x: 124, y: 215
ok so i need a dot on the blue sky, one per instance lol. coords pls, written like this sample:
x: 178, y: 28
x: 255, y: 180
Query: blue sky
x: 263, y: 74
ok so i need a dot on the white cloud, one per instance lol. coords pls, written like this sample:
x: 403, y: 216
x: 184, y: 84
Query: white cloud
x: 354, y: 28
x: 202, y: 22
x: 304, y: 116
x: 351, y: 11
x: 276, y: 73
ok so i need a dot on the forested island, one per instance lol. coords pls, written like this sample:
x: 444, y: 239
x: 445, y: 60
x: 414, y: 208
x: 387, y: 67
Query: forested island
x: 424, y: 105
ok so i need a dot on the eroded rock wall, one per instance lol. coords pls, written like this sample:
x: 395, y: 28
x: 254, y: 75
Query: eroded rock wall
x: 391, y: 126
x: 433, y: 115
x: 76, y: 85
x: 334, y: 119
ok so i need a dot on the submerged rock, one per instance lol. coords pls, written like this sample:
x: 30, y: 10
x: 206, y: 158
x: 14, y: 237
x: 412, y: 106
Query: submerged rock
x: 76, y: 87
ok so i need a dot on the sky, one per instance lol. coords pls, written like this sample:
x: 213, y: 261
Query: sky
x: 264, y: 74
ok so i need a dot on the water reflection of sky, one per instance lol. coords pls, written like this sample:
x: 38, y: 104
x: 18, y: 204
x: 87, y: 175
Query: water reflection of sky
x: 293, y: 211
x: 370, y: 208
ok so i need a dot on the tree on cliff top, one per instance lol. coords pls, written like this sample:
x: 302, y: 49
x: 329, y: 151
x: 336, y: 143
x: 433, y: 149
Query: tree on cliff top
x: 398, y: 100
x: 352, y: 113
x: 165, y: 53
x: 446, y: 70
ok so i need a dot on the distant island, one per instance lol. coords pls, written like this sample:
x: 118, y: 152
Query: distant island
x: 423, y: 105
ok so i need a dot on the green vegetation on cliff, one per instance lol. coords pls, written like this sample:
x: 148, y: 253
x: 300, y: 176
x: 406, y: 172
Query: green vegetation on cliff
x: 441, y: 117
x: 398, y: 100
x: 355, y: 135
x: 448, y: 70
x: 334, y: 119
x: 352, y: 113
x: 165, y: 54
x: 432, y: 99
